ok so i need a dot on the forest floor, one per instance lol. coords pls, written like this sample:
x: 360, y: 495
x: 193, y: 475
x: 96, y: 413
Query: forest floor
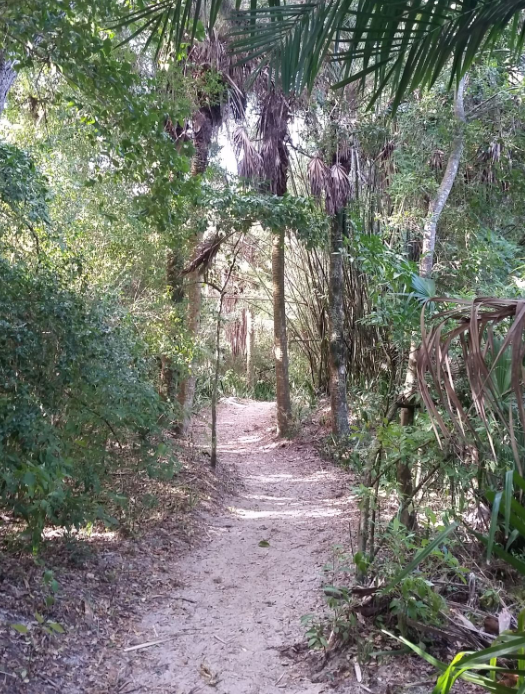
x: 206, y: 593
x: 233, y: 622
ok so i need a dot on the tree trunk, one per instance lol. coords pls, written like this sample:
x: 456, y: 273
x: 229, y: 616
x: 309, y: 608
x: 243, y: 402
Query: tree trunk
x: 284, y: 405
x: 436, y: 208
x: 7, y: 77
x: 168, y: 377
x: 426, y: 265
x: 203, y: 130
x: 274, y: 154
x: 338, y: 354
x: 215, y: 389
x: 188, y: 384
x: 250, y: 346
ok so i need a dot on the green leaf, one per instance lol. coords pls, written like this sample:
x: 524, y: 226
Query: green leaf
x: 493, y: 523
x: 420, y: 556
x: 21, y: 628
x: 264, y: 543
x: 56, y: 627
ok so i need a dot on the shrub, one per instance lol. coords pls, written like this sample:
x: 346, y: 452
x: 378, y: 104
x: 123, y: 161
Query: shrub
x: 74, y: 384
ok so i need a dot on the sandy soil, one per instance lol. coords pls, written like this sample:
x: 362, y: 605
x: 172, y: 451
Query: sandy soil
x: 238, y: 603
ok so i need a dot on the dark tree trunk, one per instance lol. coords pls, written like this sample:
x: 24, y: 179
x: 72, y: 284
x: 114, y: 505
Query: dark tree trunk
x: 338, y: 350
x: 168, y: 375
x: 284, y: 405
x: 274, y: 153
x: 250, y: 346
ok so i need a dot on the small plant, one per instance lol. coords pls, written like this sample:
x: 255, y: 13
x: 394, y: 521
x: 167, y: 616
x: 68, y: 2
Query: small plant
x: 316, y: 631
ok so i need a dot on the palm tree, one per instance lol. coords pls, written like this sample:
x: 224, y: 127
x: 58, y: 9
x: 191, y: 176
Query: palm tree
x: 205, y: 59
x: 273, y: 130
x: 401, y: 44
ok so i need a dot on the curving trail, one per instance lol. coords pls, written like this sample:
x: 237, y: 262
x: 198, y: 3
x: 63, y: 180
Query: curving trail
x: 241, y: 602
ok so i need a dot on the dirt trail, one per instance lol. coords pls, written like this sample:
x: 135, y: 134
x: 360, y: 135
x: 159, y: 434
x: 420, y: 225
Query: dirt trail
x: 242, y: 602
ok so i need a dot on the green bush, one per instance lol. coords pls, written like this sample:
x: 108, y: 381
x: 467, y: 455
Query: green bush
x: 74, y: 384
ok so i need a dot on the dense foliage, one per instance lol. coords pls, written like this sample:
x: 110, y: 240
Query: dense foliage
x: 140, y: 277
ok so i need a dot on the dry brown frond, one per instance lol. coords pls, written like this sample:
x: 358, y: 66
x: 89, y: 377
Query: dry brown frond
x: 204, y: 255
x: 250, y: 161
x: 318, y: 175
x: 338, y: 189
x: 487, y: 359
x: 437, y: 160
x: 273, y: 129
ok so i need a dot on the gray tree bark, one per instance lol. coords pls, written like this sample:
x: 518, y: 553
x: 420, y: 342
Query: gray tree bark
x: 7, y: 77
x: 436, y: 208
x: 426, y: 266
x: 338, y: 350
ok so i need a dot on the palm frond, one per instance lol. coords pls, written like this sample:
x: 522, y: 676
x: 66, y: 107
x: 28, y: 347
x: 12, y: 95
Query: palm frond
x: 204, y: 255
x: 400, y: 44
x: 494, y: 365
x: 338, y: 189
x: 250, y: 161
x: 318, y: 174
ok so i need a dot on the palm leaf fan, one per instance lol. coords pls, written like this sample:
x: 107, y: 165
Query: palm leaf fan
x: 318, y: 176
x: 249, y: 159
x: 338, y: 189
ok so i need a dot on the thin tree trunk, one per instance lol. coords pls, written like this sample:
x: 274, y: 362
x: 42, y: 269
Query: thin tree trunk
x: 426, y: 265
x: 338, y: 354
x: 168, y: 377
x: 203, y: 130
x: 215, y: 389
x: 284, y: 405
x: 436, y: 208
x: 7, y: 77
x: 250, y: 346
x: 187, y: 386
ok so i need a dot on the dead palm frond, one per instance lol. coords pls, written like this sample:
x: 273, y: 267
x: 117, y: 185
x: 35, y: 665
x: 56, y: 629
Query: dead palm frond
x: 490, y: 334
x: 338, y: 189
x: 250, y: 161
x: 204, y: 255
x: 273, y: 131
x: 437, y: 160
x: 318, y: 176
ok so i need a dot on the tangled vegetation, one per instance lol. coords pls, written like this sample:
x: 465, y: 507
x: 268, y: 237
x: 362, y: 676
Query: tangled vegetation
x: 189, y: 209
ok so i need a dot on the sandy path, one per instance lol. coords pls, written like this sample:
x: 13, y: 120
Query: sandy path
x: 241, y: 602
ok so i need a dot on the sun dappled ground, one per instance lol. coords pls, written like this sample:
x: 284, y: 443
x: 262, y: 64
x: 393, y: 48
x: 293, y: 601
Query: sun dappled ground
x: 211, y: 592
x: 243, y: 593
x: 93, y: 584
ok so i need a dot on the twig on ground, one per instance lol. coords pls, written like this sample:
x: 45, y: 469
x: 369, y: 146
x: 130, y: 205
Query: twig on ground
x: 147, y: 644
x: 280, y: 678
x: 221, y: 640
